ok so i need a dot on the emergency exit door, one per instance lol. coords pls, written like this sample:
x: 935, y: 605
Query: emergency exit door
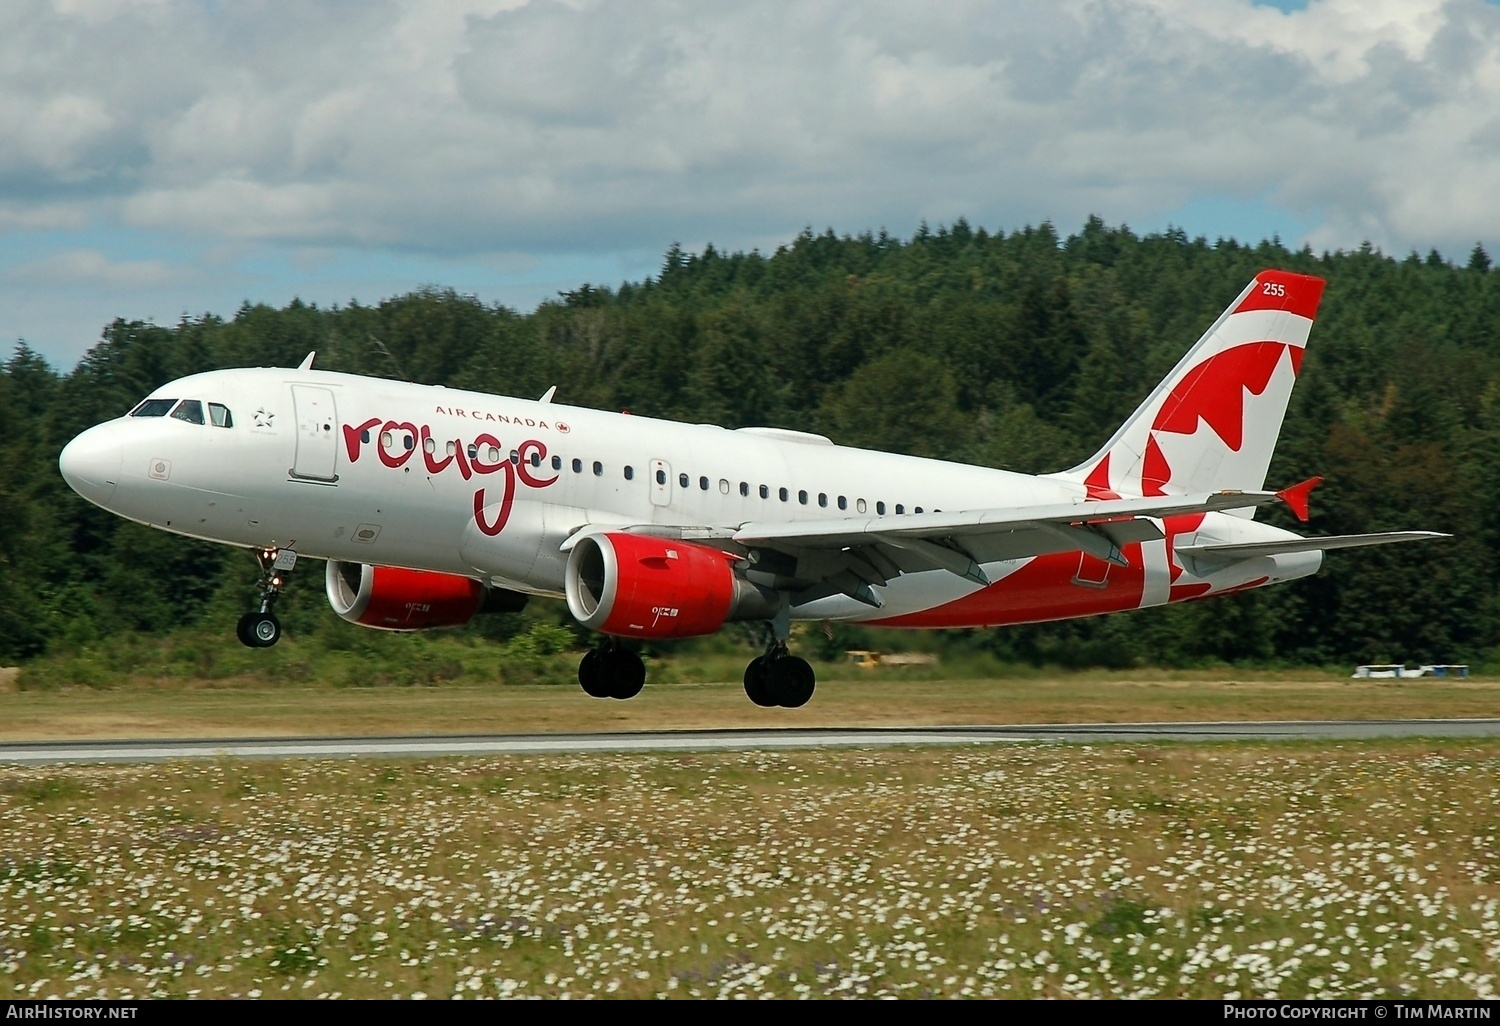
x: 661, y: 483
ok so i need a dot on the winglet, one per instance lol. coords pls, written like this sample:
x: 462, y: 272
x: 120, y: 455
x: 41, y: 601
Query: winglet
x: 1296, y: 496
x: 306, y: 363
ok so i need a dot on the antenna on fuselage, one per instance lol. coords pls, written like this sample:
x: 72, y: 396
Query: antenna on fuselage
x: 306, y: 363
x: 547, y: 395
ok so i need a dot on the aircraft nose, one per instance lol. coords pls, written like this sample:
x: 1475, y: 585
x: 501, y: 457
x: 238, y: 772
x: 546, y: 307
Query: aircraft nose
x: 91, y: 462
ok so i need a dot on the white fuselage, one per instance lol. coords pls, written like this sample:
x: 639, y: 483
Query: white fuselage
x: 367, y: 470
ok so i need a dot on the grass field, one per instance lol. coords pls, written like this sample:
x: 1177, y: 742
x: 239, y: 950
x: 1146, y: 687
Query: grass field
x: 245, y: 708
x: 1281, y: 870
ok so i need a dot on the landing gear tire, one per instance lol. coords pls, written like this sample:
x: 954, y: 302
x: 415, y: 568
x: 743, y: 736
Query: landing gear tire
x: 259, y: 630
x: 611, y: 673
x: 591, y: 674
x: 777, y: 678
x: 625, y: 672
x: 758, y: 683
x: 792, y: 681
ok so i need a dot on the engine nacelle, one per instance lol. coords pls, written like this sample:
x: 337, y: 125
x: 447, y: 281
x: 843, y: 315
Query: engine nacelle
x: 392, y: 599
x: 637, y: 586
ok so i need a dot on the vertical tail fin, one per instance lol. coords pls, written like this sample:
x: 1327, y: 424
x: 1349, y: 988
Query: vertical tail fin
x: 1212, y: 423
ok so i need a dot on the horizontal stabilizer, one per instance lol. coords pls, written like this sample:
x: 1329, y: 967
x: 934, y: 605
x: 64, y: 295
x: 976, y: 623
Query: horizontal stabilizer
x: 1249, y: 550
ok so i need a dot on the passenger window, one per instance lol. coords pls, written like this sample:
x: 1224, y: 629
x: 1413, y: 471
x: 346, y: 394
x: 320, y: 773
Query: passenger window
x: 843, y: 502
x: 682, y: 480
x: 153, y: 408
x: 781, y: 494
x: 190, y: 410
x: 661, y: 476
x: 916, y: 509
x: 723, y: 486
x: 900, y: 509
x: 578, y: 466
x: 598, y: 469
x: 536, y: 458
x: 515, y: 457
x: 880, y: 509
x: 449, y: 449
x: 429, y: 445
x: 765, y: 492
x: 557, y: 463
x: 629, y: 473
x: 494, y: 455
x: 859, y: 504
x: 703, y: 483
x: 823, y: 499
x: 744, y: 487
x: 220, y: 416
x: 410, y: 442
x: 802, y: 498
x: 386, y: 438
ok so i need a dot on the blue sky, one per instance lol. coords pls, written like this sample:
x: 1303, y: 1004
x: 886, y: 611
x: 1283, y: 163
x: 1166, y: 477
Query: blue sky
x: 162, y: 158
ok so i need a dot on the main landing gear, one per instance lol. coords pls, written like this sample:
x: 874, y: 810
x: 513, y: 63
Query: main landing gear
x: 610, y: 671
x: 779, y: 678
x: 261, y: 629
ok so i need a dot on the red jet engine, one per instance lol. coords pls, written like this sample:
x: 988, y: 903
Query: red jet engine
x: 637, y: 586
x: 392, y: 599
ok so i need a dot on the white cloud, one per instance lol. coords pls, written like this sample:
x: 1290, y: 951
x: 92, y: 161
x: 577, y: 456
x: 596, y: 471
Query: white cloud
x: 42, y: 217
x: 89, y: 268
x: 471, y: 126
x: 55, y: 136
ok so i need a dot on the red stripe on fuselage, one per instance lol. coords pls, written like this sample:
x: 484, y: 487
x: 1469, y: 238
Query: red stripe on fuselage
x: 1047, y: 588
x: 1175, y: 527
x: 1043, y: 589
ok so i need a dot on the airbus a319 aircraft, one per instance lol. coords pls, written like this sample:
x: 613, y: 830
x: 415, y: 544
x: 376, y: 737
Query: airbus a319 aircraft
x: 432, y: 505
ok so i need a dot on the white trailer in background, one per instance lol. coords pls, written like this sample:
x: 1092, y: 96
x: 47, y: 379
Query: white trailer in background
x: 1400, y: 670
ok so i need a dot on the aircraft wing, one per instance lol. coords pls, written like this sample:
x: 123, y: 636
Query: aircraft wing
x: 817, y: 558
x: 852, y: 555
x: 974, y: 523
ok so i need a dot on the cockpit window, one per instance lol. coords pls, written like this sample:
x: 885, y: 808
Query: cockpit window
x: 219, y: 414
x: 153, y: 408
x: 190, y: 410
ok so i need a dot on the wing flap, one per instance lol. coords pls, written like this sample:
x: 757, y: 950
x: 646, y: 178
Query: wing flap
x: 1247, y: 550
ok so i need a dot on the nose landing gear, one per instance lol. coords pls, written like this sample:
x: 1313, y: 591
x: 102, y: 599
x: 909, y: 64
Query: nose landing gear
x: 610, y: 671
x: 261, y: 629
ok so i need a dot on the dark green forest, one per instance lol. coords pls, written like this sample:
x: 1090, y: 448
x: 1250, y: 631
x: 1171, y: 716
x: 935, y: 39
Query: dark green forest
x: 1021, y: 350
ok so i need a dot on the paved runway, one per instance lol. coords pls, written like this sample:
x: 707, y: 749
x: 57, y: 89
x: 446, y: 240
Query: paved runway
x: 127, y: 750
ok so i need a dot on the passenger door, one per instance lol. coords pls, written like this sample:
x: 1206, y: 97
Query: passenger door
x: 317, y: 439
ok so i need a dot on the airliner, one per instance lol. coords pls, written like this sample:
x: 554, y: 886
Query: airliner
x: 432, y: 505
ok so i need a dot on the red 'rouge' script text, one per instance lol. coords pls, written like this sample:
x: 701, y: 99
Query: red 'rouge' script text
x: 396, y: 442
